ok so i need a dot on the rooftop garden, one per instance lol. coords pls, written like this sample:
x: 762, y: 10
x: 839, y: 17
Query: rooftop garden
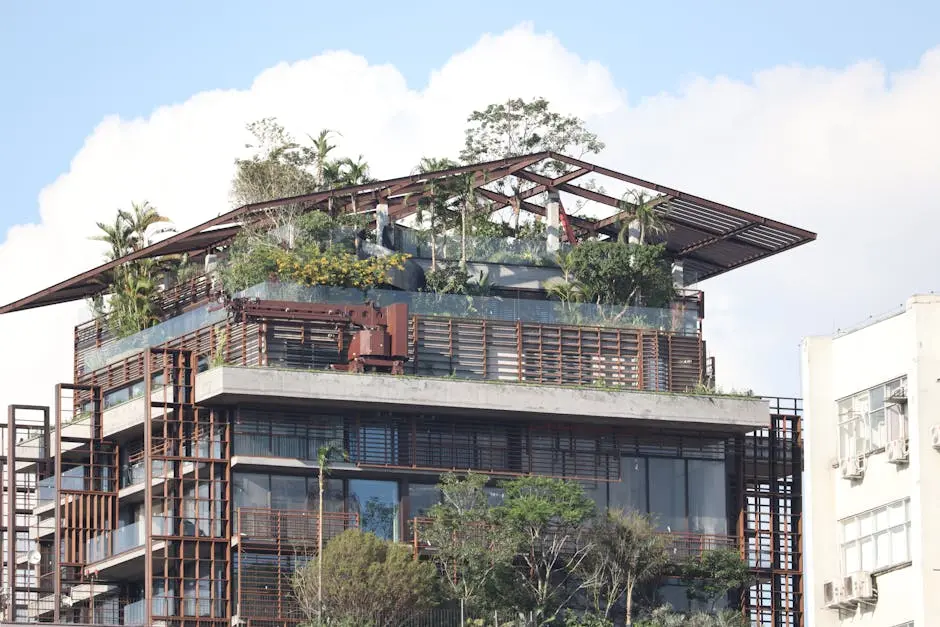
x: 600, y: 279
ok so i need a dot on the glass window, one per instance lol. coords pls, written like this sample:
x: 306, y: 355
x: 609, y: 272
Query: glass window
x: 708, y: 512
x: 252, y: 490
x: 879, y: 538
x: 288, y: 492
x: 630, y: 492
x: 333, y: 496
x: 376, y: 502
x: 667, y: 493
x: 421, y: 498
x: 870, y: 419
x: 597, y: 492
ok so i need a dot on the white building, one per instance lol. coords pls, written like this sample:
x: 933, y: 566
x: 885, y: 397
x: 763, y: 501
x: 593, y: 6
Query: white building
x: 872, y: 472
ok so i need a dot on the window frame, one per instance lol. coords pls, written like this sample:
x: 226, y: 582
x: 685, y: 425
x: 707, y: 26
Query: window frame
x: 857, y: 434
x: 864, y: 538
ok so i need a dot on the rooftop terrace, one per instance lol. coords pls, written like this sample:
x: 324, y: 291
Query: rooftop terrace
x: 709, y: 238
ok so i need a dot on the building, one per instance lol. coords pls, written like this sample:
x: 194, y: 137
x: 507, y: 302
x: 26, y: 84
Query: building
x: 873, y: 463
x: 182, y: 460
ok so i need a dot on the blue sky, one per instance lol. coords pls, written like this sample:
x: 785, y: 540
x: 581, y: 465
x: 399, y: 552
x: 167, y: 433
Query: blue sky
x: 66, y: 65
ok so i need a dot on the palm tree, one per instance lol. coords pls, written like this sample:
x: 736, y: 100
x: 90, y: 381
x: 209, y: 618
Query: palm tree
x: 642, y: 209
x: 435, y: 202
x: 468, y: 205
x: 321, y: 152
x: 119, y: 236
x: 324, y: 453
x: 140, y: 219
x: 356, y: 172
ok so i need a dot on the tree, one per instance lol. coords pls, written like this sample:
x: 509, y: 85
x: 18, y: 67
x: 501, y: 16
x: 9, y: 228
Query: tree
x: 665, y: 617
x: 470, y: 548
x: 625, y: 551
x: 133, y: 285
x: 547, y: 517
x: 433, y: 206
x: 324, y: 454
x: 141, y: 218
x: 642, y: 210
x: 517, y: 127
x: 366, y: 581
x: 616, y: 273
x: 714, y: 574
x: 320, y: 152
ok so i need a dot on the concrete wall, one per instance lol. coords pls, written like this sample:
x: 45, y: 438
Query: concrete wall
x: 833, y: 368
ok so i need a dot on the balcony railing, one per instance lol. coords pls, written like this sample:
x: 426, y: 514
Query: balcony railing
x: 115, y: 542
x: 680, y: 546
x: 295, y: 527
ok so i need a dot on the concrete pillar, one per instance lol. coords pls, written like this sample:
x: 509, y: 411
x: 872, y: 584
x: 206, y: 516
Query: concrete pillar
x: 381, y: 221
x: 552, y: 235
x: 633, y: 232
x: 678, y: 276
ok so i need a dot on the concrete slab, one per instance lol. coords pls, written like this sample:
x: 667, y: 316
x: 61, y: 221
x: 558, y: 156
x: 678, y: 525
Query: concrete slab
x: 240, y: 385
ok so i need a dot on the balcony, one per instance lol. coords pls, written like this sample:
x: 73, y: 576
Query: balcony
x: 257, y: 526
x: 116, y: 542
x: 452, y: 336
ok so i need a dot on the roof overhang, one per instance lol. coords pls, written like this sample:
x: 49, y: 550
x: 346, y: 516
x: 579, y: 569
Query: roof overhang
x: 711, y: 238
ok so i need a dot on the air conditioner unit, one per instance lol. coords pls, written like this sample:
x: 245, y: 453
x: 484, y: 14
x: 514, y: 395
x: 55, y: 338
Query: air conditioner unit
x: 859, y: 586
x: 898, y: 451
x: 853, y: 467
x: 935, y: 436
x: 834, y: 596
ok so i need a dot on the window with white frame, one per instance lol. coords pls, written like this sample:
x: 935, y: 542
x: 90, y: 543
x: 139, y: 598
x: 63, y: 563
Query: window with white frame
x: 876, y: 539
x: 869, y: 419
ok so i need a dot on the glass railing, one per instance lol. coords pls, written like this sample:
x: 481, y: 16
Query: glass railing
x: 503, y: 250
x: 134, y: 474
x: 127, y: 538
x: 45, y: 489
x: 682, y: 320
x: 136, y: 613
x: 115, y: 542
x: 154, y: 336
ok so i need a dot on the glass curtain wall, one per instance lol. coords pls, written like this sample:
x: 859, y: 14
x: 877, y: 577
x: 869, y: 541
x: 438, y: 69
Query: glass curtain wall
x: 682, y: 495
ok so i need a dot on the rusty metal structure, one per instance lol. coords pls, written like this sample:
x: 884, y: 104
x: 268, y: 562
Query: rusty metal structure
x: 166, y: 488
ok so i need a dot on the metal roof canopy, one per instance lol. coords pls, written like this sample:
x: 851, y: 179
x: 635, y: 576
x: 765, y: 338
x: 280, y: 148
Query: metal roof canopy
x: 710, y: 237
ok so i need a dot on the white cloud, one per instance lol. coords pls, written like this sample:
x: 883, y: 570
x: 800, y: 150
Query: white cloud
x: 851, y: 153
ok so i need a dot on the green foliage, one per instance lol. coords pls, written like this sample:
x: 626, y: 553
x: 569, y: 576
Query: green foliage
x: 452, y: 279
x: 311, y: 267
x: 534, y: 503
x: 615, y: 273
x: 642, y: 210
x: 547, y: 517
x: 251, y: 260
x: 221, y: 346
x: 713, y: 574
x: 517, y: 127
x: 666, y: 617
x: 625, y: 551
x: 366, y: 581
x: 130, y: 307
x: 469, y: 544
x: 586, y: 619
